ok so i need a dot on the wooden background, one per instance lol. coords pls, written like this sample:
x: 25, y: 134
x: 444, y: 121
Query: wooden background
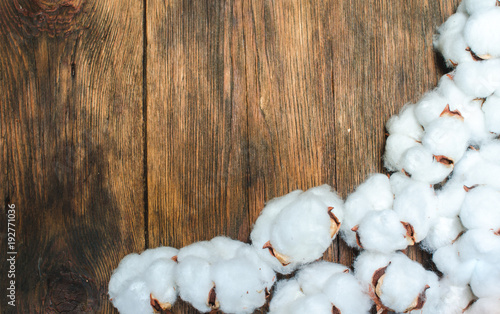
x: 132, y: 124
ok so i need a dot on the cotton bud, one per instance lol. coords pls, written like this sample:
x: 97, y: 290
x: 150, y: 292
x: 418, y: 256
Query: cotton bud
x: 430, y: 107
x: 473, y: 6
x: 478, y: 79
x: 454, y: 299
x: 286, y: 292
x: 474, y: 170
x: 416, y: 205
x: 450, y: 41
x: 449, y: 262
x: 450, y: 198
x: 395, y: 147
x: 401, y: 285
x: 312, y: 277
x: 383, y: 231
x: 405, y: 123
x: 444, y: 231
x: 373, y: 194
x: 490, y: 152
x: 481, y: 33
x: 423, y: 166
x: 491, y: 109
x: 144, y: 283
x: 298, y: 228
x: 399, y: 181
x: 481, y: 209
x: 346, y: 294
x: 484, y: 305
x: 223, y: 274
x: 316, y: 303
x: 485, y: 280
x: 447, y: 139
x: 479, y: 244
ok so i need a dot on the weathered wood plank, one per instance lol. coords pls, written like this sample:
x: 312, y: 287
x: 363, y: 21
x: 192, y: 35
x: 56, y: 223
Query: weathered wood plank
x: 383, y: 58
x: 71, y: 147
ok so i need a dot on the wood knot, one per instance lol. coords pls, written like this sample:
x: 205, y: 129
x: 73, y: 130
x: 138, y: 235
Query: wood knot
x: 54, y: 17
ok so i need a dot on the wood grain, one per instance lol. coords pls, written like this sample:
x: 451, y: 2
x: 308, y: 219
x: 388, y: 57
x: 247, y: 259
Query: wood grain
x: 71, y: 148
x: 133, y: 124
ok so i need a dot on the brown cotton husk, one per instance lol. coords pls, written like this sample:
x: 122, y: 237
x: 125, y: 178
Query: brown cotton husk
x: 451, y: 113
x: 410, y: 233
x: 335, y: 310
x: 419, y: 301
x: 212, y: 301
x: 358, y: 240
x: 443, y: 160
x: 376, y: 289
x: 159, y: 307
x: 334, y: 223
x: 284, y: 260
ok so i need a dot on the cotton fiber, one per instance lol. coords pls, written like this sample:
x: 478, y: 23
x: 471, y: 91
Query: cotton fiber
x: 481, y: 209
x: 450, y: 40
x: 297, y: 228
x: 444, y: 231
x: 423, y: 166
x: 481, y: 33
x: 491, y: 110
x: 136, y: 287
x: 484, y: 305
x: 478, y: 79
x: 473, y: 6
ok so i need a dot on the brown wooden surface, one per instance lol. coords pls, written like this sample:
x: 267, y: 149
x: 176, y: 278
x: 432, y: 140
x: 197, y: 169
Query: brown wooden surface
x: 133, y: 124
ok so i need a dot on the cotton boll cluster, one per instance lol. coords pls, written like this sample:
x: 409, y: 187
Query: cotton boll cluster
x: 223, y: 274
x: 297, y: 228
x: 145, y: 283
x: 397, y: 283
x: 321, y: 287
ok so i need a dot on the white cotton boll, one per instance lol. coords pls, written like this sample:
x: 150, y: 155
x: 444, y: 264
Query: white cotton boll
x: 450, y: 198
x: 317, y: 303
x: 490, y: 152
x: 485, y: 305
x: 478, y: 79
x: 286, y: 292
x: 443, y: 232
x: 382, y: 231
x: 473, y: 6
x: 481, y: 208
x: 423, y: 166
x: 297, y: 229
x: 448, y: 262
x: 479, y: 244
x: 195, y: 282
x: 485, y: 280
x: 430, y: 107
x: 491, y: 109
x: 366, y: 264
x: 312, y: 277
x: 403, y: 282
x: 405, y: 123
x: 454, y: 299
x: 417, y: 205
x: 450, y: 41
x: 396, y: 146
x: 346, y: 293
x: 481, y: 32
x: 373, y: 194
x: 446, y: 137
x: 474, y: 170
x: 131, y: 286
x: 399, y: 182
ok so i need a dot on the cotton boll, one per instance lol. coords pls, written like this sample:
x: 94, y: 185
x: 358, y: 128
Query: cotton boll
x: 485, y: 280
x: 485, y: 305
x: 382, y: 231
x: 346, y: 293
x: 490, y: 152
x: 286, y: 292
x: 474, y: 170
x: 491, y: 109
x: 454, y: 299
x: 395, y: 147
x: 317, y: 303
x: 478, y: 79
x: 448, y: 261
x: 481, y: 209
x: 446, y: 137
x: 450, y: 198
x: 399, y: 182
x: 297, y: 229
x: 481, y: 32
x: 373, y: 194
x: 403, y: 284
x: 430, y: 107
x: 312, y: 277
x: 417, y: 205
x: 195, y: 282
x: 366, y: 264
x: 132, y: 288
x: 405, y: 123
x: 479, y: 244
x: 450, y: 41
x: 420, y: 163
x: 473, y: 6
x: 443, y: 232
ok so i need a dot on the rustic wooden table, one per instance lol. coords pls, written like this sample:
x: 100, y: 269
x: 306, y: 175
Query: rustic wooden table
x: 133, y: 124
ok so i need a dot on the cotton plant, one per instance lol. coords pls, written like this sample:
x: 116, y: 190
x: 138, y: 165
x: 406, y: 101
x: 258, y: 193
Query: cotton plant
x: 441, y: 192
